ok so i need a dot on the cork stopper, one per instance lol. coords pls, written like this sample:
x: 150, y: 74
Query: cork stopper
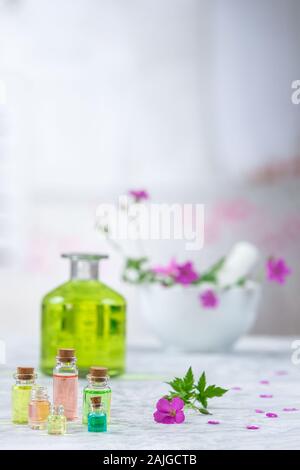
x: 25, y: 373
x: 98, y: 372
x: 96, y: 401
x: 66, y: 355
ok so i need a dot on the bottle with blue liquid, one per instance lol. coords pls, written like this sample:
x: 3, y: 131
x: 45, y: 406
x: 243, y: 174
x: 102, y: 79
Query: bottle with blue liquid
x: 97, y: 419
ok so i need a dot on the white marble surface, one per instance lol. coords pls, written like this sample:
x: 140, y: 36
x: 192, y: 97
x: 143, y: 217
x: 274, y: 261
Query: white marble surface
x: 135, y: 395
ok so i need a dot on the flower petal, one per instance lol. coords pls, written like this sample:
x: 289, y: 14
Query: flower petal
x: 211, y: 421
x: 290, y: 409
x: 159, y: 417
x: 271, y: 415
x: 179, y: 418
x: 252, y: 427
x: 168, y: 419
x: 163, y: 405
x: 264, y: 395
x: 259, y: 411
x: 177, y: 403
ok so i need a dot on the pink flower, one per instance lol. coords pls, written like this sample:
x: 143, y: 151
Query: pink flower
x: 209, y: 299
x: 277, y: 270
x: 139, y: 195
x: 252, y: 427
x: 170, y: 270
x: 183, y: 274
x: 186, y: 274
x: 271, y: 415
x: 169, y: 411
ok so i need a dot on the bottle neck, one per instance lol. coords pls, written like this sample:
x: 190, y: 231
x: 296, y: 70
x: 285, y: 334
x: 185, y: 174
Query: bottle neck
x: 68, y: 368
x: 22, y: 379
x: 95, y: 382
x: 97, y: 409
x: 39, y: 393
x: 84, y: 270
x: 25, y: 382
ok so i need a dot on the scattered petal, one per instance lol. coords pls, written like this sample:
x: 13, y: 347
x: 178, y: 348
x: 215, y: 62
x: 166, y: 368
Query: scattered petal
x: 236, y: 388
x: 264, y: 382
x: 252, y: 427
x: 211, y: 421
x: 259, y: 411
x: 281, y: 372
x: 290, y: 409
x: 264, y: 395
x: 271, y: 415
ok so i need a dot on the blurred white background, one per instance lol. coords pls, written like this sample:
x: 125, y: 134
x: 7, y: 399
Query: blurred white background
x: 189, y: 99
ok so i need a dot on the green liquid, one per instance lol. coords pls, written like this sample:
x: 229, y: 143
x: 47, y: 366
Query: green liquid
x: 20, y: 401
x: 105, y: 400
x: 97, y: 422
x: 88, y: 316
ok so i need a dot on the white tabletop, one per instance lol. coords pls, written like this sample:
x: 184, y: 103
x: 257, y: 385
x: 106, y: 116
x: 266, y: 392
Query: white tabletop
x: 135, y: 395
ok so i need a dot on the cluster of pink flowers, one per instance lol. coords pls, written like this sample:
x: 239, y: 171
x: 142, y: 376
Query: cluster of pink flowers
x: 185, y: 274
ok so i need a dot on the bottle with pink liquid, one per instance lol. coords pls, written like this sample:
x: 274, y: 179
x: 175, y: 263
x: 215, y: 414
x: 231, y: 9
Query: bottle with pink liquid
x: 65, y: 383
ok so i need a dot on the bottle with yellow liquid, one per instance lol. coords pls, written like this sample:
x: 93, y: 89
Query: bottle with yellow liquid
x: 21, y: 393
x: 86, y: 315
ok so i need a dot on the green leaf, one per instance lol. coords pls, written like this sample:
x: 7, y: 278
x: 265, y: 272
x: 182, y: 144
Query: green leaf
x: 241, y: 282
x: 176, y: 384
x: 189, y: 380
x: 201, y: 383
x: 194, y: 394
x: 213, y: 391
x: 204, y: 411
x: 202, y: 399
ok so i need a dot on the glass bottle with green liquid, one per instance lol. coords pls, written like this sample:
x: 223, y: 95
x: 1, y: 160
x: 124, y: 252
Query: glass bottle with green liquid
x: 97, y: 420
x: 97, y: 386
x: 21, y: 394
x: 86, y: 315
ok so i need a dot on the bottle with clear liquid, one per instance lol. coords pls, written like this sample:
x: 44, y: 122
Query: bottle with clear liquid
x: 39, y: 408
x: 97, y: 386
x: 87, y: 315
x: 65, y: 383
x: 21, y: 392
x: 97, y: 420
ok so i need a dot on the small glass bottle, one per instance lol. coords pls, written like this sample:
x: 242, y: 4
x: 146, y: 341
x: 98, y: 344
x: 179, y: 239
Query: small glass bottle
x: 65, y: 383
x: 39, y: 408
x: 21, y: 391
x: 57, y: 422
x: 97, y: 421
x: 97, y: 386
